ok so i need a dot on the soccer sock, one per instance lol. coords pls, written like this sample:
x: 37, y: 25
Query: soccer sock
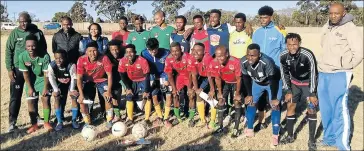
x: 220, y: 117
x: 109, y: 114
x: 213, y: 114
x: 167, y: 109
x: 201, y: 110
x: 129, y: 109
x: 33, y: 117
x: 74, y: 113
x: 147, y: 109
x: 177, y: 113
x: 191, y: 114
x: 237, y: 117
x: 158, y: 110
x: 46, y: 115
x: 58, y: 115
x: 290, y: 123
x: 250, y: 115
x: 276, y: 118
x: 86, y: 118
x: 312, y: 126
x: 117, y: 112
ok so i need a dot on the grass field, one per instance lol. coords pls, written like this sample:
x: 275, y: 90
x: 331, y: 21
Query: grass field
x: 179, y: 137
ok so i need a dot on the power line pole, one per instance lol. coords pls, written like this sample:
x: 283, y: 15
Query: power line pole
x: 14, y: 16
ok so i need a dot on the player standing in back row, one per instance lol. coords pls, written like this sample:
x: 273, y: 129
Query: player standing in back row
x: 178, y: 36
x: 161, y: 31
x: 140, y: 36
x: 299, y: 77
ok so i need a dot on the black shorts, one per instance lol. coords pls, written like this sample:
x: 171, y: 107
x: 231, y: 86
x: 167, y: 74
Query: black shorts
x: 203, y: 83
x: 301, y: 93
x: 228, y: 91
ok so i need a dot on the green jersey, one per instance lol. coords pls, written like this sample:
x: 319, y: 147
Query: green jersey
x: 36, y: 68
x: 163, y: 35
x: 139, y: 39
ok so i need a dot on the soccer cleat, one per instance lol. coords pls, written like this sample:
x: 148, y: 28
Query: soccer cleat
x: 227, y: 120
x: 129, y: 122
x: 147, y: 123
x: 40, y: 122
x: 157, y: 122
x: 108, y: 124
x: 212, y: 125
x: 12, y: 128
x: 33, y: 128
x: 218, y: 131
x: 48, y: 126
x: 176, y: 121
x: 248, y: 133
x: 167, y: 124
x: 312, y: 146
x: 75, y: 125
x: 191, y: 123
x: 59, y: 127
x: 116, y: 119
x: 288, y: 139
x: 262, y: 125
x: 235, y: 133
x: 275, y: 140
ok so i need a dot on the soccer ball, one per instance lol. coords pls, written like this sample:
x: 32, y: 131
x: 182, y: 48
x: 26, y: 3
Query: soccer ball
x: 119, y: 129
x: 139, y: 131
x: 89, y: 132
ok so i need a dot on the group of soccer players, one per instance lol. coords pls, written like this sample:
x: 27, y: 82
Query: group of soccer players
x: 169, y: 68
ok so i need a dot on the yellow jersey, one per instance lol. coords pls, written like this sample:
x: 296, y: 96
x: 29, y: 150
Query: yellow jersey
x: 238, y: 43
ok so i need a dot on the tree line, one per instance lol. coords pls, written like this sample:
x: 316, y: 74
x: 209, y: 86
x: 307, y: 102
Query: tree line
x: 306, y: 13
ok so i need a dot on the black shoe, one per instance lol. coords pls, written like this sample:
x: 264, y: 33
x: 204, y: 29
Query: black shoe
x: 218, y: 131
x: 148, y: 123
x: 176, y: 121
x: 235, y: 133
x: 312, y: 146
x: 263, y: 125
x: 12, y: 128
x: 191, y: 123
x: 288, y: 139
x: 129, y: 122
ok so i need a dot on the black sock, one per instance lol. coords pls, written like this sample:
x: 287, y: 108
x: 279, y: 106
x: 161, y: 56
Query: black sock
x: 220, y: 118
x: 290, y: 123
x: 33, y: 117
x: 237, y: 117
x: 312, y: 126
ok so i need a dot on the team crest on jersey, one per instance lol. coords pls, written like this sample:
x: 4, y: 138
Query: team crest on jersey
x: 219, y: 30
x: 183, y: 40
x: 66, y: 74
x: 216, y: 67
x: 40, y: 63
x: 27, y: 63
x: 214, y: 40
x: 156, y: 35
x: 182, y: 48
x: 84, y: 63
x: 19, y: 39
x: 162, y: 60
x: 239, y: 41
x: 183, y: 61
x: 64, y: 80
x: 134, y: 38
x: 144, y: 38
x: 189, y: 62
x: 231, y: 67
x: 126, y: 65
x: 138, y: 66
x: 99, y: 63
x: 104, y: 47
x: 167, y: 34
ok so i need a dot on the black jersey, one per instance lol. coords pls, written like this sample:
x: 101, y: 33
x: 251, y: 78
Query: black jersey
x: 300, y: 67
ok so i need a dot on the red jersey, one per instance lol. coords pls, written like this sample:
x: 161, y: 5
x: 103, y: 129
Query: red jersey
x: 229, y: 73
x: 182, y: 67
x: 118, y: 36
x: 136, y: 71
x: 201, y: 67
x: 201, y: 36
x: 94, y: 72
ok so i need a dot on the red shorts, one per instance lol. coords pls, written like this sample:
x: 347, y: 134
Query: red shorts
x: 181, y: 81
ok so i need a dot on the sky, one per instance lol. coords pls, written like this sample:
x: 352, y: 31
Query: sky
x: 45, y: 10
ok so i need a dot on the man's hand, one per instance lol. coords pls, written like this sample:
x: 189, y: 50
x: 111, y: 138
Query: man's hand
x: 219, y: 96
x: 237, y: 97
x: 74, y: 93
x: 108, y: 96
x: 80, y: 99
x: 145, y: 95
x: 128, y: 91
x: 190, y: 92
x: 174, y: 92
x: 55, y: 94
x: 211, y: 95
x: 288, y: 97
x: 198, y: 91
x: 248, y: 99
x: 30, y: 92
x: 275, y: 102
x: 11, y: 76
x: 166, y: 83
x: 313, y: 100
x: 188, y: 32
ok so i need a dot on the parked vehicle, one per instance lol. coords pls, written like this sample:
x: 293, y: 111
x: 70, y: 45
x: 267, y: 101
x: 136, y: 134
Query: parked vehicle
x: 8, y: 26
x: 51, y: 26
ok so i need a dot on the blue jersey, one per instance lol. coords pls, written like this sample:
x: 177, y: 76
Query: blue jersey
x: 102, y: 43
x: 185, y: 43
x: 156, y: 63
x: 271, y: 41
x: 218, y: 36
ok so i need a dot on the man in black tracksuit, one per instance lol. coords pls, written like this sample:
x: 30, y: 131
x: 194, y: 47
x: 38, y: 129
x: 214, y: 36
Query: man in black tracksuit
x: 299, y: 77
x: 67, y: 39
x: 14, y: 46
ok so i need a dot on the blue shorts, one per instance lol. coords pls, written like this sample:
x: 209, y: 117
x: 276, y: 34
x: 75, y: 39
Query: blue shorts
x: 138, y: 90
x: 257, y: 91
x: 89, y: 89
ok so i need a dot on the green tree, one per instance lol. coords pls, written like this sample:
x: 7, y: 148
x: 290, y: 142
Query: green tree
x: 4, y: 13
x: 192, y: 12
x: 78, y: 12
x: 325, y: 4
x: 89, y: 18
x: 57, y: 16
x: 112, y: 9
x: 99, y: 20
x: 169, y: 7
x: 306, y: 9
x: 358, y: 14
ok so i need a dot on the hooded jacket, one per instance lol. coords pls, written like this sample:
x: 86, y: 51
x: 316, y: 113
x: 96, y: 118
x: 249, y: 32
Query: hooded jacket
x: 270, y: 40
x: 15, y: 44
x: 342, y: 46
x: 68, y: 43
x: 102, y: 43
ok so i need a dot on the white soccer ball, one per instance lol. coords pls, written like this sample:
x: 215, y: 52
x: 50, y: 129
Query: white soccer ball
x: 139, y: 130
x: 89, y: 133
x: 119, y: 129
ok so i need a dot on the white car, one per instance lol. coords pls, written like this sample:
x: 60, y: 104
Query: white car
x: 8, y: 26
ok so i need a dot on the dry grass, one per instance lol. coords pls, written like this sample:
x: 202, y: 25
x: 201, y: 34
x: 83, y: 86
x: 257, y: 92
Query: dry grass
x: 180, y: 137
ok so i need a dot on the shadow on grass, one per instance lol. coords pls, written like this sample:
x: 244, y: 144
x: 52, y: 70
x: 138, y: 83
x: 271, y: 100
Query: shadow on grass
x: 356, y: 95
